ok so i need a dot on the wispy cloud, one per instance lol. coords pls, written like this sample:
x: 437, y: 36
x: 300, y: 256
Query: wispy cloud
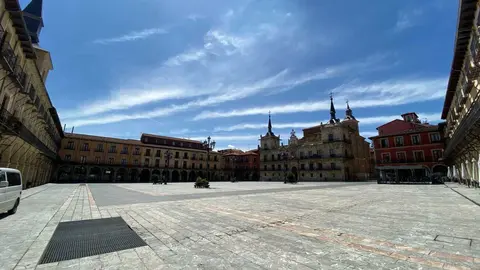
x: 195, y: 17
x: 388, y: 93
x: 133, y: 36
x: 379, y: 120
x: 407, y: 19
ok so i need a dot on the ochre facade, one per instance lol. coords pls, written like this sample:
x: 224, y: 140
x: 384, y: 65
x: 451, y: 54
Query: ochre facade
x: 333, y: 151
x: 87, y: 158
x: 30, y: 131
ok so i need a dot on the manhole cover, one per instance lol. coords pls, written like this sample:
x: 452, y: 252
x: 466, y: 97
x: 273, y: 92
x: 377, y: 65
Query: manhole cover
x: 78, y: 239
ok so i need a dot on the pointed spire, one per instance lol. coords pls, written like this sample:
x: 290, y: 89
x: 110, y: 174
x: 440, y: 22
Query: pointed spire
x: 269, y: 132
x: 348, y: 113
x: 33, y: 19
x: 333, y: 118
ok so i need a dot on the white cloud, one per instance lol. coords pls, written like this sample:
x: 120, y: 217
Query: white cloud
x: 230, y: 146
x: 388, y: 93
x: 378, y: 120
x: 407, y: 19
x: 133, y: 36
x: 227, y: 138
x: 367, y: 134
x: 195, y: 17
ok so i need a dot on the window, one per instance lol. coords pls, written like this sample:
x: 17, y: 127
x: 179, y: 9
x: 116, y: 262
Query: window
x: 309, y: 153
x: 265, y: 167
x: 416, y: 139
x: 124, y: 161
x: 184, y: 164
x: 176, y: 164
x: 177, y: 154
x: 302, y: 166
x: 137, y: 151
x: 83, y: 159
x: 70, y: 145
x: 85, y: 147
x: 173, y: 143
x: 273, y: 167
x: 214, y: 166
x: 332, y: 152
x: 254, y: 159
x: 113, y: 149
x: 157, y: 162
x: 264, y: 157
x: 147, y: 152
x: 399, y: 141
x: 418, y: 156
x: 193, y: 165
x: 125, y: 150
x: 147, y: 162
x: 437, y: 154
x: 135, y: 162
x: 68, y: 157
x: 279, y: 167
x: 330, y: 137
x: 97, y: 160
x: 111, y: 160
x: 13, y: 179
x: 319, y: 166
x: 333, y: 166
x: 401, y: 156
x: 310, y: 166
x: 99, y: 148
x: 158, y: 153
x: 435, y: 137
x: 386, y: 158
x: 265, y: 145
x: 384, y: 143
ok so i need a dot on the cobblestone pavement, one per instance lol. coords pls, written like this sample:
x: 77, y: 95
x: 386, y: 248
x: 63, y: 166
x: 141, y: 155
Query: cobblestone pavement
x: 349, y: 227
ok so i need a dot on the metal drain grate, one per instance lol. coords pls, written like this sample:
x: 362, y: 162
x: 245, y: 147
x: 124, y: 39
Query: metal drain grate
x: 78, y: 239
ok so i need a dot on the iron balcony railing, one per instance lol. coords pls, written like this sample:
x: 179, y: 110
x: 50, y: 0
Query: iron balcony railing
x: 409, y: 160
x: 9, y: 124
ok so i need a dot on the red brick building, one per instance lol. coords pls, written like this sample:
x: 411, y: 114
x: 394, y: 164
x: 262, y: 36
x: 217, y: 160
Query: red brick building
x: 244, y: 166
x: 408, y: 147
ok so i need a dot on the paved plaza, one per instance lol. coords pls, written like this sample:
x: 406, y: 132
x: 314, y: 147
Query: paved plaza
x: 258, y: 225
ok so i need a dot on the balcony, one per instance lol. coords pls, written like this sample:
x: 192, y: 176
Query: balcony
x: 194, y: 158
x: 9, y: 124
x: 124, y: 152
x: 408, y: 160
x: 112, y: 151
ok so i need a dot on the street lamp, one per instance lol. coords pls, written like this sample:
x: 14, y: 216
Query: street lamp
x: 168, y: 155
x: 233, y: 161
x: 209, y: 145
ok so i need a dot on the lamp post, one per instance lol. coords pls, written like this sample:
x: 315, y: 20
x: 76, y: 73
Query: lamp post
x: 168, y: 155
x: 209, y: 145
x: 234, y: 161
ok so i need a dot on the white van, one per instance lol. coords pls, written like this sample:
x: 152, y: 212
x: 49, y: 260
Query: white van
x: 10, y: 190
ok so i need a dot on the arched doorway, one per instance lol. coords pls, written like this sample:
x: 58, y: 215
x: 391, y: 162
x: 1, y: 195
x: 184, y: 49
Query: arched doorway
x: 156, y: 172
x: 295, y: 172
x: 200, y: 173
x: 64, y: 175
x: 191, y: 176
x: 95, y: 175
x: 80, y: 174
x: 184, y: 177
x: 175, y: 176
x: 440, y: 169
x: 108, y: 174
x: 133, y: 175
x: 166, y: 175
x: 122, y: 175
x: 145, y: 176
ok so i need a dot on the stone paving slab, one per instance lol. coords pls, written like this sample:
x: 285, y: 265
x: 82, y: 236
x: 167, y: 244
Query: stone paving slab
x: 348, y: 227
x: 472, y: 194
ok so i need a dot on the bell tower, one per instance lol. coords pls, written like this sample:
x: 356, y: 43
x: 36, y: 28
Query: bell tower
x: 32, y: 15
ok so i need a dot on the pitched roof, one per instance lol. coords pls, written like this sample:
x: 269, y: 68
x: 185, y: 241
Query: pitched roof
x: 170, y: 138
x: 418, y: 129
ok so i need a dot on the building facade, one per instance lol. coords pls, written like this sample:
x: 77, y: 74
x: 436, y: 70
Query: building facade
x: 87, y: 158
x: 244, y: 166
x: 461, y: 108
x: 409, y: 148
x: 333, y: 151
x: 30, y: 130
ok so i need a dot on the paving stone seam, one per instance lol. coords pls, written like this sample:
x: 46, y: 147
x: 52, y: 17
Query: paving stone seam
x: 359, y: 246
x: 464, y: 196
x: 46, y: 225
x: 34, y: 193
x: 204, y: 239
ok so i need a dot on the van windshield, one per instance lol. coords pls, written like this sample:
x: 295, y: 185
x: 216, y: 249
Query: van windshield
x: 2, y: 176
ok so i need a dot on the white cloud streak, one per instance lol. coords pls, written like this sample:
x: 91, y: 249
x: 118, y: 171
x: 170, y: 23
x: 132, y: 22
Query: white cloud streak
x: 407, y: 19
x: 375, y: 120
x: 388, y: 93
x: 132, y: 36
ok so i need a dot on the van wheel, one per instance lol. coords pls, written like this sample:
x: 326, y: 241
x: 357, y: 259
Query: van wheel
x: 14, y: 209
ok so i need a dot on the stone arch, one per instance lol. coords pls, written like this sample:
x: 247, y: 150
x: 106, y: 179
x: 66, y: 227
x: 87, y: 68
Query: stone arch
x: 157, y: 172
x: 133, y: 175
x: 108, y: 175
x: 79, y: 174
x: 145, y: 176
x: 121, y: 175
x: 95, y: 175
x: 295, y: 172
x: 64, y: 174
x: 184, y: 176
x: 175, y: 176
x: 200, y: 173
x: 440, y: 169
x: 192, y: 177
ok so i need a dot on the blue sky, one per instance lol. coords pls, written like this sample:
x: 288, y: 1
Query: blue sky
x: 191, y: 69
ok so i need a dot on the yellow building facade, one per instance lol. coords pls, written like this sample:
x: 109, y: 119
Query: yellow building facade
x: 30, y: 130
x: 87, y: 158
x: 333, y: 151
